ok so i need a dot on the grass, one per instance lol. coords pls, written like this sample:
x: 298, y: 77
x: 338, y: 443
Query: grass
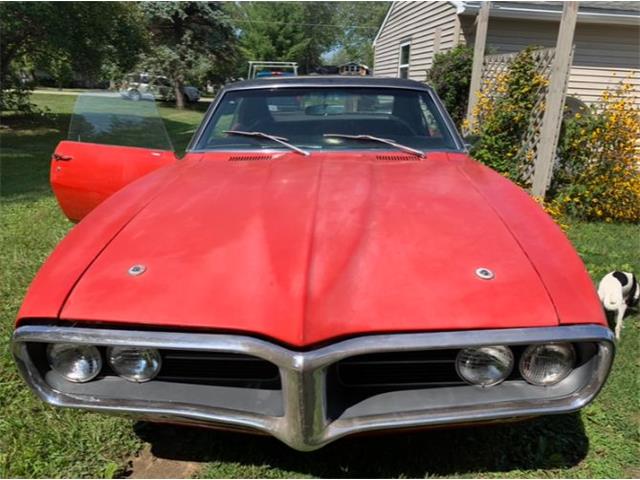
x: 39, y: 441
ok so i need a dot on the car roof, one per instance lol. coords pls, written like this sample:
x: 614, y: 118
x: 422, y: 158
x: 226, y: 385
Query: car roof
x: 326, y: 81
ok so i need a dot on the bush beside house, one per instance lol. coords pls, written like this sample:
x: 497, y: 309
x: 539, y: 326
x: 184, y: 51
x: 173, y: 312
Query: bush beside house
x: 598, y: 176
x: 450, y: 76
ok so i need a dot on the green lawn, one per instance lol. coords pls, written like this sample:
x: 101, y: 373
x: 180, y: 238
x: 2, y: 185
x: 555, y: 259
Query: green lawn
x: 39, y: 441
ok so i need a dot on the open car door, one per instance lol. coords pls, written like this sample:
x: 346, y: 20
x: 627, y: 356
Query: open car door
x: 112, y: 142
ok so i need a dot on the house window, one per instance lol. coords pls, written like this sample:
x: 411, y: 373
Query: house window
x: 405, y: 54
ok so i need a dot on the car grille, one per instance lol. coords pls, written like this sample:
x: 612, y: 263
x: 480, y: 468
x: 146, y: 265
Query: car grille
x: 399, y: 369
x: 230, y: 369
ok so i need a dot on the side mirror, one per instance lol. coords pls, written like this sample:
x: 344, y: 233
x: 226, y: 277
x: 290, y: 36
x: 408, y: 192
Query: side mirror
x: 470, y: 141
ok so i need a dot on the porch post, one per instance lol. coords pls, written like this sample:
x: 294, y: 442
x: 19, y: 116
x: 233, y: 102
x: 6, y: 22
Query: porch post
x: 552, y: 118
x: 482, y: 22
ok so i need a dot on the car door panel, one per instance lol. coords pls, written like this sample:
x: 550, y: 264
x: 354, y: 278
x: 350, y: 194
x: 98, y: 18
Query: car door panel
x: 84, y: 174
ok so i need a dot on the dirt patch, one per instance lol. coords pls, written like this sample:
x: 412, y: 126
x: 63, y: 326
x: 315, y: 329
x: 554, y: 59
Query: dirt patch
x: 147, y: 465
x: 631, y: 472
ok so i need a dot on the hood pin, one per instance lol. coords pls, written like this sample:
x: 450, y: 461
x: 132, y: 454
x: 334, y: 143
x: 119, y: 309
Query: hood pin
x: 136, y: 270
x: 485, y: 273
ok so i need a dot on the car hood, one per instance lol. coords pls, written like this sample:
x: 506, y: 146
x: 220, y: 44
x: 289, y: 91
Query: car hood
x: 304, y: 250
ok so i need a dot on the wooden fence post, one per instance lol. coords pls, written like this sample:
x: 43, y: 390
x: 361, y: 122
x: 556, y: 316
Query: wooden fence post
x: 552, y: 118
x: 478, y: 59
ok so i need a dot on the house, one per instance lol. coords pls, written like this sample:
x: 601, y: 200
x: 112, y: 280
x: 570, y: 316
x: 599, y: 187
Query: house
x: 353, y: 68
x: 607, y: 38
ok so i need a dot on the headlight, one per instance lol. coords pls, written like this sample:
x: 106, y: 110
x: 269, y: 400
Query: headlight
x: 484, y: 366
x: 135, y: 364
x: 548, y: 363
x: 75, y: 362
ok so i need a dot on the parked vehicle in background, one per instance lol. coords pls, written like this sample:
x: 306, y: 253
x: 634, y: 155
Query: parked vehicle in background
x: 143, y: 86
x: 272, y: 69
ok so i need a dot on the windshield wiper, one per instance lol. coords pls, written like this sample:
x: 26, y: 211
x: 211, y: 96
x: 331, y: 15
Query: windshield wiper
x: 377, y: 139
x: 280, y: 140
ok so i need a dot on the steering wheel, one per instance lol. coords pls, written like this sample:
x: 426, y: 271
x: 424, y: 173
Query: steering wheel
x: 405, y: 124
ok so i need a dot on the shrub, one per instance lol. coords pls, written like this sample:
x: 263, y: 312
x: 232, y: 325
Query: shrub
x: 16, y: 100
x: 598, y: 173
x: 14, y: 94
x: 450, y: 76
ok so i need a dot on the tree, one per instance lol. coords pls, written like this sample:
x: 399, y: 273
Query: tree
x: 66, y: 37
x: 358, y: 24
x: 184, y: 36
x: 286, y: 31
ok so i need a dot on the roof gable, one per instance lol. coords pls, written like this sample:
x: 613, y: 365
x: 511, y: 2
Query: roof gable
x: 384, y: 22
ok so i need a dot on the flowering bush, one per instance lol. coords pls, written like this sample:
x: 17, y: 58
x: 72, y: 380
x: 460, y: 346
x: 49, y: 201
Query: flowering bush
x: 502, y: 117
x: 597, y: 170
x: 597, y: 176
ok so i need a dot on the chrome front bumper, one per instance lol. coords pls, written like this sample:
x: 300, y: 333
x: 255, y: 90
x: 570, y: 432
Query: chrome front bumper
x: 300, y: 414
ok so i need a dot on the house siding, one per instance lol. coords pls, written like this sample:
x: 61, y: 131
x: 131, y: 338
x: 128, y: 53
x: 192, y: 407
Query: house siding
x: 419, y: 23
x: 604, y: 55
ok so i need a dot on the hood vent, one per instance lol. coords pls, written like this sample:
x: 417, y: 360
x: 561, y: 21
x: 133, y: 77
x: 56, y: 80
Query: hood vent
x: 248, y: 158
x: 397, y: 157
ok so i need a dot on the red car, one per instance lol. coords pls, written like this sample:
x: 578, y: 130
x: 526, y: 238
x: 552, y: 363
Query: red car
x: 309, y: 273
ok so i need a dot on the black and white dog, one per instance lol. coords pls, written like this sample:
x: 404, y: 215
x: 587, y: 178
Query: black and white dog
x: 617, y: 292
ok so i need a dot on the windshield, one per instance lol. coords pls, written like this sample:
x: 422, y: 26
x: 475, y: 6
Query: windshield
x: 305, y: 117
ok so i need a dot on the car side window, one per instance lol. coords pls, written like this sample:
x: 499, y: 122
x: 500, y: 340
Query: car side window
x: 430, y: 121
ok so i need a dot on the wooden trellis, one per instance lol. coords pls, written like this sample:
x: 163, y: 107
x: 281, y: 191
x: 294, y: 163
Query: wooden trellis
x: 494, y: 67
